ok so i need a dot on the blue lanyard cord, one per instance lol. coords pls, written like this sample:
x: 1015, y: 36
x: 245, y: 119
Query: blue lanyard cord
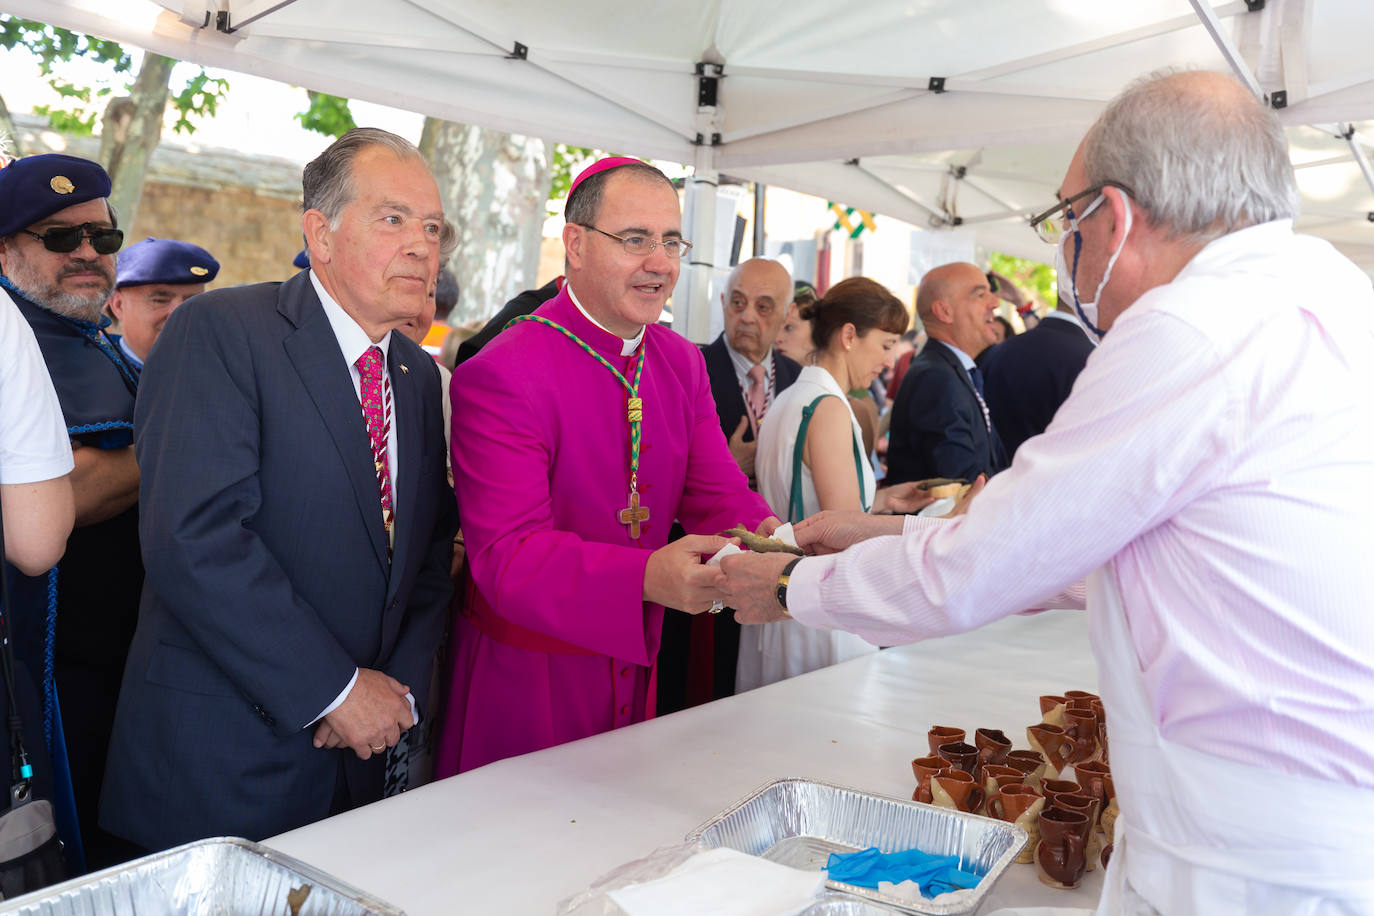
x: 95, y: 334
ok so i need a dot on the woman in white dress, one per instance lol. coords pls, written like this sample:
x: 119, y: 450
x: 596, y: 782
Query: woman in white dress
x: 811, y: 457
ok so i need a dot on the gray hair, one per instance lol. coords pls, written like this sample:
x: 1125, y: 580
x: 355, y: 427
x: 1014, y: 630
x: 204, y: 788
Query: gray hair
x: 327, y: 184
x: 584, y: 203
x: 1202, y: 158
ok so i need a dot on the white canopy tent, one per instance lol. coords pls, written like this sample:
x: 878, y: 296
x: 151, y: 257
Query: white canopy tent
x: 939, y: 112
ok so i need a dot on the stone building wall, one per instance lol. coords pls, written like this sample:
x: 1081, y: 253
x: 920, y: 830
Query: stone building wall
x: 244, y: 210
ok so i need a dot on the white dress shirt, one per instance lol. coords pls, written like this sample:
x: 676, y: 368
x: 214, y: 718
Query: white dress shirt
x: 1217, y: 455
x: 353, y: 343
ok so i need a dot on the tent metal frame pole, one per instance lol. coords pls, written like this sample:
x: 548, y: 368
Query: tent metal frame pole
x: 252, y: 11
x: 1228, y: 49
x: 760, y: 215
x: 1347, y: 133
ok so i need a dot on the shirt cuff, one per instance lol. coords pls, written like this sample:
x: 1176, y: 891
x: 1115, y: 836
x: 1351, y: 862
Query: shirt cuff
x: 414, y: 713
x: 804, y: 591
x: 338, y: 700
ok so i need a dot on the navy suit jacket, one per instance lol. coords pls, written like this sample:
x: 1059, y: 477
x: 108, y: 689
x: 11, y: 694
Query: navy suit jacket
x: 269, y: 581
x: 938, y: 429
x: 1028, y: 376
x: 725, y: 390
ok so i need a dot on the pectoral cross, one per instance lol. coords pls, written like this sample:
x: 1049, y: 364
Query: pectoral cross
x: 634, y: 514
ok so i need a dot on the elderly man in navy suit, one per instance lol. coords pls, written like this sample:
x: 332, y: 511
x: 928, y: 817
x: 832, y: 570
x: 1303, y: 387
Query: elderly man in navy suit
x: 940, y: 421
x: 297, y: 524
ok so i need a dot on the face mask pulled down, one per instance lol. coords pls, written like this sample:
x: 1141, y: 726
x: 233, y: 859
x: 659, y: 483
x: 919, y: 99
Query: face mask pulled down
x: 1087, y: 311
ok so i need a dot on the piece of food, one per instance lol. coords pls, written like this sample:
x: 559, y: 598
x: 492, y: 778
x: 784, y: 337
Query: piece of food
x: 943, y: 487
x: 760, y: 544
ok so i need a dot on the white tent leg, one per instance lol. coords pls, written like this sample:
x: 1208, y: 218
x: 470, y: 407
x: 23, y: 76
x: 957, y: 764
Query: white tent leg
x: 692, y: 297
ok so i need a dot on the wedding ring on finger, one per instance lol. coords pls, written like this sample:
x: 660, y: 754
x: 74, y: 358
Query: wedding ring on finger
x: 377, y: 750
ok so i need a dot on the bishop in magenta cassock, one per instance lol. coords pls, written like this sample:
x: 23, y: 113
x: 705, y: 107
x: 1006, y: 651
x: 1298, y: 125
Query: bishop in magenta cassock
x: 559, y: 635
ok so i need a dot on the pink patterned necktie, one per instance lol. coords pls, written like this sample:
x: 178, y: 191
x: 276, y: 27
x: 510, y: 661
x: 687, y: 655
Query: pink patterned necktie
x: 757, y: 396
x: 376, y: 400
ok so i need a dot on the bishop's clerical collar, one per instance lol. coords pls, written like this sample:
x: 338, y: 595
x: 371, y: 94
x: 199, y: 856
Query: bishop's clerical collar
x: 627, y: 344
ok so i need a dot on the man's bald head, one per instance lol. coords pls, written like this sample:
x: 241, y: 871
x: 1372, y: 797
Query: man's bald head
x: 956, y: 304
x: 755, y: 300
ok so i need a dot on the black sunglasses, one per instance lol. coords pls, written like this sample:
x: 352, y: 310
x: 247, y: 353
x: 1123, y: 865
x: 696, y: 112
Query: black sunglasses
x: 66, y: 239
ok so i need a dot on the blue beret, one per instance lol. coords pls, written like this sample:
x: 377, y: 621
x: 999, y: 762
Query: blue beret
x: 36, y: 187
x: 164, y: 261
x: 302, y: 260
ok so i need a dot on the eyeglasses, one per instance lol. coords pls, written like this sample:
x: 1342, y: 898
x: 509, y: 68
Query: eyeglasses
x: 66, y: 239
x: 643, y: 245
x: 1051, y: 226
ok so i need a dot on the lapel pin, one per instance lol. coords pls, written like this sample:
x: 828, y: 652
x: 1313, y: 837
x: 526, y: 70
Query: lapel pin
x: 404, y: 370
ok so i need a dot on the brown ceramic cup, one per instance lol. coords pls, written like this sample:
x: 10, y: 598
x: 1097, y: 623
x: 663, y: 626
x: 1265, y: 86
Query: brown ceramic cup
x: 1053, y: 788
x: 1053, y: 743
x: 1019, y: 805
x: 1089, y: 807
x: 956, y: 789
x: 1052, y: 709
x: 996, y: 775
x: 993, y: 746
x: 1093, y: 776
x: 1010, y: 802
x: 925, y: 768
x: 943, y: 734
x: 1081, y: 726
x: 1080, y: 699
x: 962, y: 755
x: 1029, y: 762
x: 1061, y: 854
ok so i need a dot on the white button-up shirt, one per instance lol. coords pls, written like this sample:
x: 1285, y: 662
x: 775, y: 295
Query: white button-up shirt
x: 1217, y: 454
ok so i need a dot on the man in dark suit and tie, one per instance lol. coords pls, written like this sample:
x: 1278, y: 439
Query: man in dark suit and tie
x: 297, y: 523
x: 940, y: 422
x: 1028, y: 376
x: 696, y: 659
x: 746, y: 372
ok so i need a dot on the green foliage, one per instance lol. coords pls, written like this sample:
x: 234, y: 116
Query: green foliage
x: 200, y: 96
x: 567, y: 161
x: 327, y: 114
x: 1034, y: 279
x: 52, y: 45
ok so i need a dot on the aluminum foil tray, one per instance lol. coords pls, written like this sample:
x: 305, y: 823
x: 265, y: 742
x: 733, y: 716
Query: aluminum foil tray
x: 226, y: 876
x: 800, y: 822
x: 833, y: 904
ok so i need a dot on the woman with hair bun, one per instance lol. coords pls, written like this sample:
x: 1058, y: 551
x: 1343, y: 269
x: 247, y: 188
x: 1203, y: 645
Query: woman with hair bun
x: 811, y: 457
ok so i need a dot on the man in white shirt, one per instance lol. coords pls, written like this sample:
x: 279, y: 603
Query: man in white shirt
x: 1211, y: 476
x: 297, y: 524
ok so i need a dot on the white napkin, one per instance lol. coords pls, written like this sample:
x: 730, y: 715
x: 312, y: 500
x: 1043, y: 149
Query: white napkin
x: 723, y: 882
x: 726, y: 551
x: 784, y: 533
x: 939, y: 507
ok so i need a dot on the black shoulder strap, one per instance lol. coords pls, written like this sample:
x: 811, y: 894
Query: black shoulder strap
x: 20, y: 770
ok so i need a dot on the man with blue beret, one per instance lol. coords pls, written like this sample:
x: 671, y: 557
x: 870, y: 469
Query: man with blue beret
x: 155, y: 276
x: 58, y: 239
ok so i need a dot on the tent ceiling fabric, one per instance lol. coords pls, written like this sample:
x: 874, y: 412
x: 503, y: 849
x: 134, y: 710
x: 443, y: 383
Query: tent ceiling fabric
x: 806, y: 90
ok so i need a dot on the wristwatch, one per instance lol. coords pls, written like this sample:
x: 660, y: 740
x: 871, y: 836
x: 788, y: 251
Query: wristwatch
x: 781, y: 593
